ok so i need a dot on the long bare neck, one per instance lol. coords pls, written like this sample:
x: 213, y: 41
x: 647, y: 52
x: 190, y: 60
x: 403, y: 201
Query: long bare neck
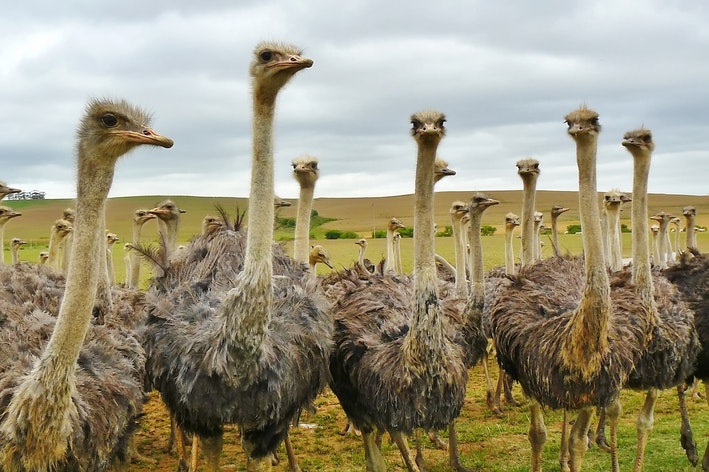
x: 477, y: 273
x: 134, y: 259
x: 168, y: 231
x: 66, y: 252
x: 62, y: 351
x: 390, y: 261
x: 53, y: 258
x: 2, y: 242
x: 586, y: 336
x: 247, y: 308
x: 426, y: 326
x: 691, y: 239
x: 461, y: 283
x: 537, y: 240
x: 15, y: 254
x: 509, y: 250
x: 615, y: 261
x: 642, y: 276
x: 398, y: 267
x: 662, y: 239
x: 528, y: 240
x: 301, y: 246
x: 360, y: 256
x: 555, y: 234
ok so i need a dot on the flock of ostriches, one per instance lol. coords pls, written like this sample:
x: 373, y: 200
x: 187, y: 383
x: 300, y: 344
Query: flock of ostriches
x: 234, y: 331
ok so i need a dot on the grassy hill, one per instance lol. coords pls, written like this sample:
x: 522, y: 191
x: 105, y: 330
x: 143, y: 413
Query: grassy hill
x: 360, y: 215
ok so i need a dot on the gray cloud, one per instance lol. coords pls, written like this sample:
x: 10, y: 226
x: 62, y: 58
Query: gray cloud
x: 505, y: 74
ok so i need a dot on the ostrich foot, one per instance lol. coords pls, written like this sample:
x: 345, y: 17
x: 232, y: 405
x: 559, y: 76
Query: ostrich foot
x: 349, y: 429
x: 492, y: 404
x: 509, y: 398
x: 686, y: 434
x: 437, y: 441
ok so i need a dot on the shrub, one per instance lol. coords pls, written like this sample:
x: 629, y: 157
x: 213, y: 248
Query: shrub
x: 573, y: 229
x: 487, y: 230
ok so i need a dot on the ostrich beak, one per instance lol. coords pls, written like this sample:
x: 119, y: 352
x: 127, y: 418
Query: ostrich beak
x: 146, y: 136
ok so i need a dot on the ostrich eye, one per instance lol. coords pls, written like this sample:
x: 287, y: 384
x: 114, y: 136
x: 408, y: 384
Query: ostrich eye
x: 568, y: 123
x: 647, y: 138
x: 594, y: 121
x: 266, y: 56
x: 109, y: 120
x: 294, y: 166
x: 415, y: 124
x: 314, y: 166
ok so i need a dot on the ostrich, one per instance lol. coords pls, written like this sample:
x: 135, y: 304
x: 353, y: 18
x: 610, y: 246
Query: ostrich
x: 168, y: 214
x: 393, y: 226
x: 441, y: 170
x: 211, y: 224
x: 278, y: 202
x: 612, y: 201
x: 528, y: 170
x: 656, y: 257
x: 43, y: 256
x: 556, y: 211
x: 15, y: 245
x: 127, y: 253
x: 69, y: 214
x: 58, y: 416
x: 458, y: 210
x: 6, y: 214
x: 252, y: 349
x: 663, y: 220
x: 318, y: 255
x: 538, y: 220
x: 399, y: 361
x: 511, y: 222
x: 306, y: 172
x: 364, y: 266
x: 5, y: 190
x: 59, y: 231
x: 690, y: 215
x: 669, y: 358
x: 676, y: 222
x: 111, y: 240
x: 140, y: 217
x: 690, y: 275
x: 558, y: 329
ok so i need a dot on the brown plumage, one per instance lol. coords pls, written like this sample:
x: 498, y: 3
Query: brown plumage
x: 568, y: 343
x: 71, y: 399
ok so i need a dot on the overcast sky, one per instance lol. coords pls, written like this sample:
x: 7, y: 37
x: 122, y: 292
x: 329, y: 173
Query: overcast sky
x: 504, y: 73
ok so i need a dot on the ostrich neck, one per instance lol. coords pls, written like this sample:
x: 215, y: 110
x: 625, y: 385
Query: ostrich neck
x: 59, y: 357
x: 642, y: 276
x: 15, y: 255
x: 168, y: 230
x: 461, y: 286
x: 426, y: 333
x: 691, y: 239
x: 2, y: 242
x: 477, y: 273
x: 586, y: 334
x: 555, y: 234
x: 360, y: 257
x: 53, y: 258
x: 509, y: 251
x: 615, y: 260
x: 301, y: 247
x: 134, y: 259
x: 662, y: 239
x: 530, y: 187
x: 247, y: 307
x: 389, y: 262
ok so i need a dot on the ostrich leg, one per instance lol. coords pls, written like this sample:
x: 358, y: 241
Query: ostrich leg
x: 403, y: 444
x: 686, y: 434
x: 372, y: 453
x: 537, y: 434
x: 564, y: 448
x: 453, y: 453
x: 613, y: 413
x: 578, y: 439
x: 644, y: 424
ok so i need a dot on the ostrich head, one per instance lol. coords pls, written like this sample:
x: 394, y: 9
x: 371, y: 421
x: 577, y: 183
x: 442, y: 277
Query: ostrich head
x: 278, y: 202
x: 458, y: 210
x: 111, y: 239
x: 557, y: 210
x: 5, y: 190
x: 527, y: 167
x: 273, y: 66
x: 583, y: 123
x: 62, y: 228
x: 7, y: 213
x: 428, y: 126
x: 441, y: 169
x: 305, y: 171
x: 140, y: 217
x: 480, y: 202
x: 17, y: 243
x: 613, y: 199
x: 394, y: 224
x: 167, y: 210
x: 361, y: 243
x: 69, y: 214
x: 110, y: 129
x: 639, y: 138
x: 689, y: 211
x: 511, y: 220
x: 319, y: 255
x: 211, y: 224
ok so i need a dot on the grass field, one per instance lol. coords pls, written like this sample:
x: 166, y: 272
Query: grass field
x: 487, y: 442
